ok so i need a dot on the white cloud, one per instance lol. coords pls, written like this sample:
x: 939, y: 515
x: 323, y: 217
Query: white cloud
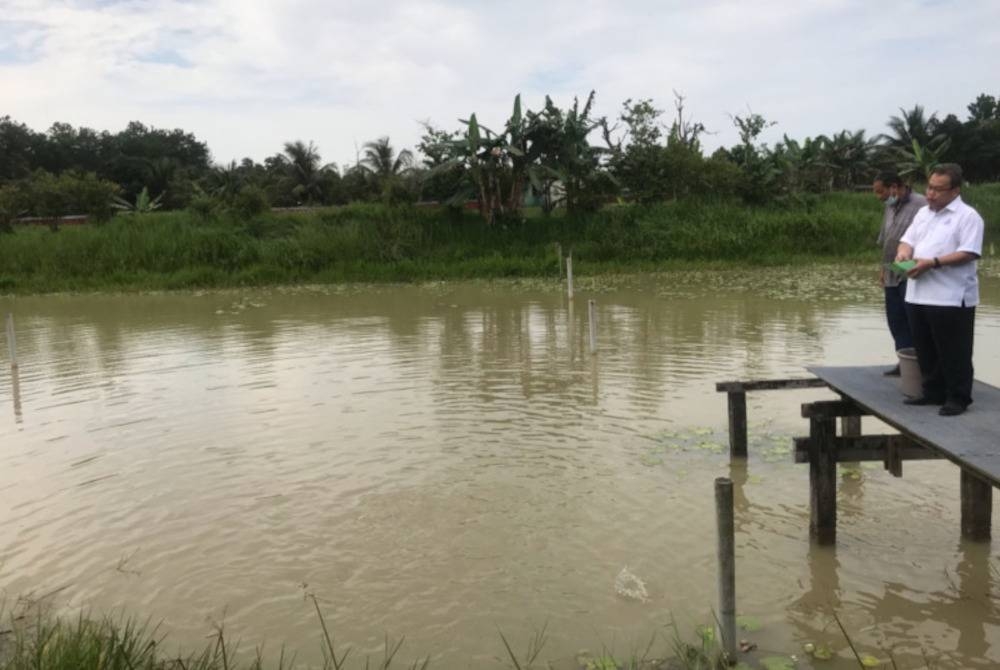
x: 245, y: 76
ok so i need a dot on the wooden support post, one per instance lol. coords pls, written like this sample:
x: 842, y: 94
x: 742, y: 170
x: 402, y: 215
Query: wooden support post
x: 727, y: 566
x: 823, y: 480
x: 737, y: 424
x: 850, y: 426
x: 559, y: 258
x: 977, y: 507
x: 894, y: 456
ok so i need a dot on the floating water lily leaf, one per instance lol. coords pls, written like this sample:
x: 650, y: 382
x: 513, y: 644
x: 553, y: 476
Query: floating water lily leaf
x: 823, y: 653
x: 748, y: 623
x: 870, y: 661
x: 651, y: 459
x: 777, y: 663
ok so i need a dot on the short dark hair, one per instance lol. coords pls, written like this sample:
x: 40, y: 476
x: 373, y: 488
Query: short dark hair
x: 889, y: 178
x: 951, y: 170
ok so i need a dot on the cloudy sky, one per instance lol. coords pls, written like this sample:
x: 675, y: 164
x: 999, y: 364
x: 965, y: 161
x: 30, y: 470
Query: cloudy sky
x: 247, y: 75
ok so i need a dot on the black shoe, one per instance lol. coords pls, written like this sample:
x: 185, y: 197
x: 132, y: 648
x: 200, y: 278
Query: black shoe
x: 894, y: 372
x: 923, y: 400
x: 951, y: 410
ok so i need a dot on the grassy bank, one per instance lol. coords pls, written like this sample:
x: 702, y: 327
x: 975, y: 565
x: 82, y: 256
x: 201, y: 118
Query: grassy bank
x: 36, y: 640
x: 177, y: 250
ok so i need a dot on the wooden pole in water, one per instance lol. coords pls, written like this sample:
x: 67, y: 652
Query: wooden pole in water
x: 569, y: 275
x: 727, y: 566
x: 737, y: 401
x: 823, y: 480
x: 977, y: 507
x: 11, y: 342
x: 592, y: 313
x: 559, y: 258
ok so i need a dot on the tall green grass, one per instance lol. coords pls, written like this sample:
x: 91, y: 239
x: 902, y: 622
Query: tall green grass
x: 36, y: 640
x: 176, y: 250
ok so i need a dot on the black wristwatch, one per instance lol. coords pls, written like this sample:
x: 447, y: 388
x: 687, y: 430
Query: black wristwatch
x: 937, y: 262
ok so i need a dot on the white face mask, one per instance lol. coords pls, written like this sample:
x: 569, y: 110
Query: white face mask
x: 891, y: 200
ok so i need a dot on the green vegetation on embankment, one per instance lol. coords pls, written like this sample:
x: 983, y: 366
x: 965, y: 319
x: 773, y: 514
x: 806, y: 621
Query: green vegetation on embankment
x: 177, y: 250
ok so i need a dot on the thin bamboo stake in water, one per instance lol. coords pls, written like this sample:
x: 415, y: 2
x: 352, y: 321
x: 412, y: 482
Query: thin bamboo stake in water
x: 592, y: 314
x: 571, y: 331
x: 569, y: 275
x: 15, y: 378
x: 11, y: 343
x: 727, y: 565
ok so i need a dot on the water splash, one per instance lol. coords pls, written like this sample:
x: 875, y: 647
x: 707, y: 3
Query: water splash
x: 630, y: 586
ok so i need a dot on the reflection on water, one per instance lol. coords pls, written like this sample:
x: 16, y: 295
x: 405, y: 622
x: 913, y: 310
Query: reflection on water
x: 445, y: 460
x: 15, y: 392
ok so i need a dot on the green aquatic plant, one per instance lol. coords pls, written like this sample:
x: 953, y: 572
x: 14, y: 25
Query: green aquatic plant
x: 535, y: 645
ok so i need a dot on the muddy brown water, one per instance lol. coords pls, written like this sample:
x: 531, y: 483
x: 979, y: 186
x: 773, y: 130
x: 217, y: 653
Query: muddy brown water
x: 447, y: 461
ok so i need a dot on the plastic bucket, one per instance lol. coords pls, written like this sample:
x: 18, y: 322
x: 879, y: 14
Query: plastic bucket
x: 910, y: 381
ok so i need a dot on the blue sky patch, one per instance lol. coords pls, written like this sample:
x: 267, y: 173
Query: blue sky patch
x: 165, y: 57
x: 20, y: 42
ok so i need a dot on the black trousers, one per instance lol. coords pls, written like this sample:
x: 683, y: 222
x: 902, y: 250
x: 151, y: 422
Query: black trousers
x: 895, y: 314
x: 943, y: 339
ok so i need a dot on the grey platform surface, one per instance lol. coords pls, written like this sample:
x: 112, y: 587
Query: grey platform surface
x: 971, y: 440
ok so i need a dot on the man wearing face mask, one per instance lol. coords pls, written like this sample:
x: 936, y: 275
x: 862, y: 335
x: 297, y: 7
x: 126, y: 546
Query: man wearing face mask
x: 945, y: 241
x: 901, y: 205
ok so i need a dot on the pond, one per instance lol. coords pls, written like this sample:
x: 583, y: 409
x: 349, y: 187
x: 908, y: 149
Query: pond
x: 448, y: 461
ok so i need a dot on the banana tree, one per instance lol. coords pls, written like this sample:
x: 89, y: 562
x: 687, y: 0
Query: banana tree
x: 802, y: 165
x: 560, y: 140
x: 143, y: 203
x: 497, y: 164
x: 921, y: 159
x: 849, y: 156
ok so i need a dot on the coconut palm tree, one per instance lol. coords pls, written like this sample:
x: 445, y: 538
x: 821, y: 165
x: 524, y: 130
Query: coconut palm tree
x: 389, y: 170
x: 224, y: 181
x: 910, y: 125
x: 304, y: 171
x: 382, y: 161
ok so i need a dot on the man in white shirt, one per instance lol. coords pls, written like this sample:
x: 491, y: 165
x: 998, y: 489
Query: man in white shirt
x: 945, y: 239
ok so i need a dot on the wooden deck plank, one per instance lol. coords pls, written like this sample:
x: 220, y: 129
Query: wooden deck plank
x: 971, y: 440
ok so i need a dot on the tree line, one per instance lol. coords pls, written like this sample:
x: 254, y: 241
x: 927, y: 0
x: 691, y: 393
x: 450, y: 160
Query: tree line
x: 551, y: 157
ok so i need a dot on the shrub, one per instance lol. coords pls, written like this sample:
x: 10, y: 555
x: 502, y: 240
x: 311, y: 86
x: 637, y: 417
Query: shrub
x: 249, y: 202
x: 204, y: 207
x: 44, y: 194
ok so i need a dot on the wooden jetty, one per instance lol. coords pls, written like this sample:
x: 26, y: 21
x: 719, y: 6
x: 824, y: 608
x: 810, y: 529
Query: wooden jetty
x: 971, y: 440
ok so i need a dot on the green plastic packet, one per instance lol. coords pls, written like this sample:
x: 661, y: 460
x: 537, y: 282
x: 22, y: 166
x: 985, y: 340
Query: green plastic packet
x: 902, y: 267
